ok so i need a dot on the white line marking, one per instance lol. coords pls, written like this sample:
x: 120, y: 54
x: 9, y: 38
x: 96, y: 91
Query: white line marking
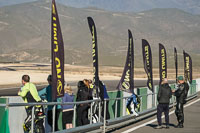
x: 149, y: 122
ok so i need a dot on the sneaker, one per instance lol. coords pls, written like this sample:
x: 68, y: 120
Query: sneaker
x: 167, y: 126
x: 181, y: 126
x: 134, y: 113
x: 158, y: 127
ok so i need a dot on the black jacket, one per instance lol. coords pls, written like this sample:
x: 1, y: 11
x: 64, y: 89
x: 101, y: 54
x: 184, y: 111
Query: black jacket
x: 181, y: 92
x: 83, y: 92
x: 164, y: 94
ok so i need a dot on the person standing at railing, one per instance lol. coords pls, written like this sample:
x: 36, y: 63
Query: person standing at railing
x: 181, y: 95
x: 82, y: 109
x: 46, y: 93
x: 104, y: 95
x: 68, y: 110
x: 29, y: 94
x: 163, y: 97
x: 90, y: 87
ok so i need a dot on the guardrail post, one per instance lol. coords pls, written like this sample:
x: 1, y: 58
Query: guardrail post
x: 124, y: 103
x: 54, y: 114
x: 153, y: 99
x: 104, y: 117
x: 99, y: 111
x: 32, y: 121
x: 74, y: 117
x: 141, y: 104
x: 116, y: 108
x: 7, y: 102
x: 91, y: 112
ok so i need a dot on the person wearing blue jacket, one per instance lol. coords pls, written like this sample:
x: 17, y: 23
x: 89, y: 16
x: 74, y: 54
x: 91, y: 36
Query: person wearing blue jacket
x: 104, y: 95
x: 46, y: 94
x: 131, y: 104
x: 68, y: 110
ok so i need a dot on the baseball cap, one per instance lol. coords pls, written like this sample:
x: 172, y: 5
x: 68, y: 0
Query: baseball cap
x: 180, y: 77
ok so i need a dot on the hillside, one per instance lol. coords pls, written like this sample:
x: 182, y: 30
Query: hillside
x: 25, y: 33
x: 191, y: 6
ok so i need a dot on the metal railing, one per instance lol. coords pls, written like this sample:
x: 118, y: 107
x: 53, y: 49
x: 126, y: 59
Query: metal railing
x: 104, y: 125
x: 7, y: 105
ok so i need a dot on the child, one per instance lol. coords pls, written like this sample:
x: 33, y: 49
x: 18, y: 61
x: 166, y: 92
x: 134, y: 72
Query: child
x: 68, y: 110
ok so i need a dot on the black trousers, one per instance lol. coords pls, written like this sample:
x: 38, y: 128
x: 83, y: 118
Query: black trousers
x: 179, y: 113
x: 163, y: 108
x: 82, y: 115
x: 107, y: 112
x: 50, y: 118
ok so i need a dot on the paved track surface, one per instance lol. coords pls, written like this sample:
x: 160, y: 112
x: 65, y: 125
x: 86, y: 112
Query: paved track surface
x: 191, y: 124
x: 111, y: 86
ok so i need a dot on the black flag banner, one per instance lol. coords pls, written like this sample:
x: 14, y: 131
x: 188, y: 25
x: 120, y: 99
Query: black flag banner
x: 187, y: 67
x: 176, y: 62
x: 147, y: 60
x: 94, y: 52
x: 57, y: 51
x: 127, y: 83
x: 162, y: 62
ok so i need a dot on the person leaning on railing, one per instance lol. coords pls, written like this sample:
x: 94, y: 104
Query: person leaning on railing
x: 29, y: 94
x: 103, y: 94
x: 82, y: 109
x: 68, y: 110
x: 46, y: 93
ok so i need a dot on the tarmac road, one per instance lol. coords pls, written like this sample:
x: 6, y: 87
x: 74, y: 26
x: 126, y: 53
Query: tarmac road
x: 191, y: 121
x: 111, y: 86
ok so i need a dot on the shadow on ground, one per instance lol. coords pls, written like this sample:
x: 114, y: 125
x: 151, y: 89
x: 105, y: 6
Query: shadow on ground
x: 154, y: 125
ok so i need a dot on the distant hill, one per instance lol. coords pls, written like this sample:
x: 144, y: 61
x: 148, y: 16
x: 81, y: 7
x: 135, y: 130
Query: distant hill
x: 191, y: 6
x: 25, y: 33
x: 13, y: 2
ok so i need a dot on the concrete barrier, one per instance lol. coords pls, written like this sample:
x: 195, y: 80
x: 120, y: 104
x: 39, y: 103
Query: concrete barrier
x: 198, y: 84
x: 16, y: 115
x: 4, y: 126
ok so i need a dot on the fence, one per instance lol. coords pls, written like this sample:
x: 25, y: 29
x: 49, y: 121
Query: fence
x: 116, y: 107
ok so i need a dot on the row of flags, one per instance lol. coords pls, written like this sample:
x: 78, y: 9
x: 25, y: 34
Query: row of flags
x: 127, y: 80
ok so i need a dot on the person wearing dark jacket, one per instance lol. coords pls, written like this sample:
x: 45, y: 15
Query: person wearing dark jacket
x: 163, y: 97
x: 82, y: 109
x: 104, y: 95
x: 181, y: 95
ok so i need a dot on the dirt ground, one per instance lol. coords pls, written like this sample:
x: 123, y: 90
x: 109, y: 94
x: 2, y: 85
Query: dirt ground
x: 11, y: 73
